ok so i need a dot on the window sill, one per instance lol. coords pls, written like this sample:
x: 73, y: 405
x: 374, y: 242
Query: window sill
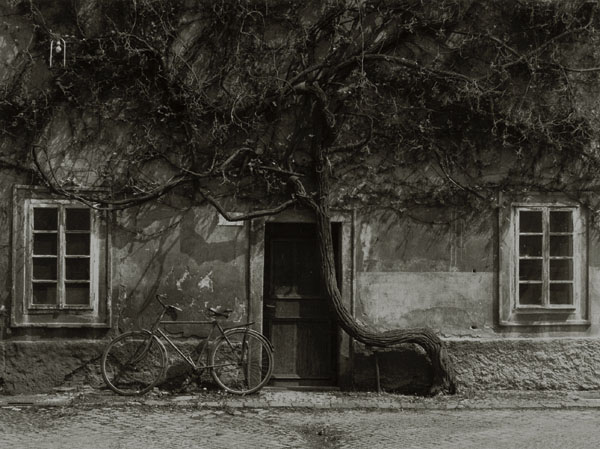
x: 544, y: 309
x: 42, y: 309
x: 533, y: 323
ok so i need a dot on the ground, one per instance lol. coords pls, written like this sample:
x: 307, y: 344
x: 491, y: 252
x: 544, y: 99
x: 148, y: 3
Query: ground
x: 95, y: 417
x: 142, y: 426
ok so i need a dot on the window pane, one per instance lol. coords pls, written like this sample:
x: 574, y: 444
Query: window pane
x: 530, y: 294
x: 561, y: 221
x: 78, y: 244
x: 530, y: 221
x: 530, y: 269
x: 561, y: 245
x: 45, y: 244
x: 44, y: 268
x: 561, y: 269
x: 530, y: 245
x: 561, y: 293
x: 45, y: 219
x: 44, y: 293
x: 78, y: 219
x: 77, y: 269
x: 295, y: 269
x: 282, y: 253
x: 308, y: 276
x: 77, y: 294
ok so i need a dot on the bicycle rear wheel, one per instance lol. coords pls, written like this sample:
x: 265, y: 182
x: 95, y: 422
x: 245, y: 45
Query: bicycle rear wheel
x: 133, y: 363
x: 241, y: 361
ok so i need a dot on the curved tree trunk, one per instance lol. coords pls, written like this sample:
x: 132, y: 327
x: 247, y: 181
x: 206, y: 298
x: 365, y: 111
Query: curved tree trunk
x: 443, y: 371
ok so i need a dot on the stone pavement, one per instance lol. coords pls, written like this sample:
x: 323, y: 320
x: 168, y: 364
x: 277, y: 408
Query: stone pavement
x: 303, y: 399
x: 300, y: 420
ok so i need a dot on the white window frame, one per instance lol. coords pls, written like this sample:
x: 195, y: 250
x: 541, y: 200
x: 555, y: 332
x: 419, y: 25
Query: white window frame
x: 26, y: 313
x: 512, y: 313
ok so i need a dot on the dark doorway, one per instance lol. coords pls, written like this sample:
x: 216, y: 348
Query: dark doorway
x: 297, y: 316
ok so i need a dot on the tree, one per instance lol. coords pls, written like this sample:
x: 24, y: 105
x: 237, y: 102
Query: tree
x: 397, y: 104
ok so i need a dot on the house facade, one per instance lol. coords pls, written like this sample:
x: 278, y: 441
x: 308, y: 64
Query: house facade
x: 428, y: 101
x: 514, y: 297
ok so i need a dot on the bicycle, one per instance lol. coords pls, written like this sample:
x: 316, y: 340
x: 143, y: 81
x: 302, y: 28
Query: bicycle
x: 241, y: 359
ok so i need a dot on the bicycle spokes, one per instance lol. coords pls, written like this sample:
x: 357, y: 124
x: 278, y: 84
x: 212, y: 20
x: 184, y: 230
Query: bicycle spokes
x: 242, y: 361
x: 133, y: 363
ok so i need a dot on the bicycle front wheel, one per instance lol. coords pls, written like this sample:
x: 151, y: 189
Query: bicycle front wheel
x: 241, y: 361
x: 133, y: 363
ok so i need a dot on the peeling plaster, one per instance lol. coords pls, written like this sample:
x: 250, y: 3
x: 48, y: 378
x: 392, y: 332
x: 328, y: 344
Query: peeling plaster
x: 366, y: 237
x: 206, y: 283
x: 186, y: 275
x: 8, y: 51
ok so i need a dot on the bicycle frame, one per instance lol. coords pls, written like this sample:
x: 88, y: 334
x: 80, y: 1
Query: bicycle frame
x: 156, y: 330
x: 239, y: 358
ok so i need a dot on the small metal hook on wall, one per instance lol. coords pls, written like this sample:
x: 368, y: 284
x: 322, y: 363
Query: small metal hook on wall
x: 58, y: 46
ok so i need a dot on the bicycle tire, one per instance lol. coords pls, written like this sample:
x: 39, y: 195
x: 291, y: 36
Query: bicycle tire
x: 241, y: 361
x: 133, y: 363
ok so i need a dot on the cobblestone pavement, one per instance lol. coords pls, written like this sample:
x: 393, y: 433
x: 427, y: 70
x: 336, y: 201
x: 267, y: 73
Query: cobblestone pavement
x: 143, y: 426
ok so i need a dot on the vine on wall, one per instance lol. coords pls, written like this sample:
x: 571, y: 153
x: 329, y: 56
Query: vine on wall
x: 425, y: 105
x: 403, y: 105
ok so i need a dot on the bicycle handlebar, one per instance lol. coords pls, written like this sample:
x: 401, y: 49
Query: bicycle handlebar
x: 224, y: 313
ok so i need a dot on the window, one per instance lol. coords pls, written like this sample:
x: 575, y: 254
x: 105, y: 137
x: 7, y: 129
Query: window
x: 543, y: 264
x: 60, y: 262
x: 545, y: 251
x: 60, y: 256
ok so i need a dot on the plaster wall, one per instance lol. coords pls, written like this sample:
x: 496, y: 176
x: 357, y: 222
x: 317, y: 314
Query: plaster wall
x: 187, y: 252
x: 410, y: 274
x: 197, y: 259
x: 446, y: 277
x: 401, y: 273
x: 404, y: 276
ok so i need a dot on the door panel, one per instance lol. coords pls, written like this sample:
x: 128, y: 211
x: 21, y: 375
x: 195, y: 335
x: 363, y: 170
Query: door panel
x: 297, y: 316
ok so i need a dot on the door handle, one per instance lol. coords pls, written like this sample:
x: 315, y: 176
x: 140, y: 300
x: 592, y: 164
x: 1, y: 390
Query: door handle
x: 270, y: 306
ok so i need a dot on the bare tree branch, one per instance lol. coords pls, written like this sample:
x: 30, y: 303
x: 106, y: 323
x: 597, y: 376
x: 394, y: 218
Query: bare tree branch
x: 247, y: 216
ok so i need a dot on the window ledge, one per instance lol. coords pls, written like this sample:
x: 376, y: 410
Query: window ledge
x: 532, y: 323
x: 45, y: 310
x: 544, y: 309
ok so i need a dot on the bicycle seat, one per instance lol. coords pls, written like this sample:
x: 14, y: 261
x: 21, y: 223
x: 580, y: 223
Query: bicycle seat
x: 224, y: 313
x: 171, y: 307
x: 168, y: 307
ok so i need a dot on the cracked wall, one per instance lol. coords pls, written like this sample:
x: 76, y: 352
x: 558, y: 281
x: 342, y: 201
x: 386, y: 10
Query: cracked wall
x: 405, y: 274
x: 445, y: 277
x: 411, y: 274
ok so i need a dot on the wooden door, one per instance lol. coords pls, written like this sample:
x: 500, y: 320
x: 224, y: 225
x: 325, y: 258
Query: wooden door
x: 297, y: 316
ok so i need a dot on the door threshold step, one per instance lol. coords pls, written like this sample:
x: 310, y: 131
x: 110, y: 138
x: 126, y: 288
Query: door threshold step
x: 300, y: 388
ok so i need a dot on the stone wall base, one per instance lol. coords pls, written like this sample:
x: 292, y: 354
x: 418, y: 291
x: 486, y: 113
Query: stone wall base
x: 500, y: 364
x: 37, y: 366
x: 527, y: 364
x: 41, y: 366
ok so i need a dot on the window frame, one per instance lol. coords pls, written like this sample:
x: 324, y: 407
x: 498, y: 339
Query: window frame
x: 546, y: 257
x: 512, y: 312
x: 61, y: 206
x: 26, y: 313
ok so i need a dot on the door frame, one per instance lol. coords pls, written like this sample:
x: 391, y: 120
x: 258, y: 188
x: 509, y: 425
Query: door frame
x: 256, y: 264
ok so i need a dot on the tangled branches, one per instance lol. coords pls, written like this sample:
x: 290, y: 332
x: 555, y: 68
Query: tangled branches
x: 425, y: 105
x: 395, y: 104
